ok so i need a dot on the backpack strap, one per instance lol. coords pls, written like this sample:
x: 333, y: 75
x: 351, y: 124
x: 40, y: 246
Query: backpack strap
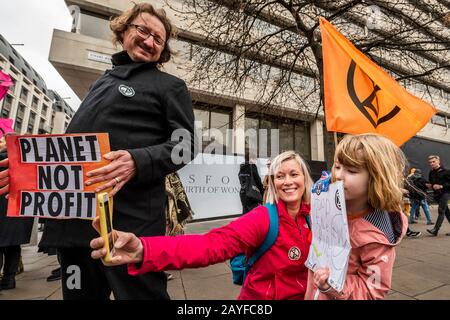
x: 308, y: 221
x: 271, y: 236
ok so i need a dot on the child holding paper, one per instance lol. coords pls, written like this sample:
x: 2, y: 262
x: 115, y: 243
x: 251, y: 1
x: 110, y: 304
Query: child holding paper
x: 371, y: 168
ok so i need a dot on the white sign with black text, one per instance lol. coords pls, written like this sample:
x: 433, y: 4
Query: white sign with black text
x: 213, y: 188
x: 330, y: 245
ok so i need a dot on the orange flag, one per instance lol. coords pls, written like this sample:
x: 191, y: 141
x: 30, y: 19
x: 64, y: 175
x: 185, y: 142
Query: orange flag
x: 361, y: 97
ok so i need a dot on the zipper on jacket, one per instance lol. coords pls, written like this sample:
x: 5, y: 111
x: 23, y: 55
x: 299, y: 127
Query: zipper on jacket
x: 298, y: 227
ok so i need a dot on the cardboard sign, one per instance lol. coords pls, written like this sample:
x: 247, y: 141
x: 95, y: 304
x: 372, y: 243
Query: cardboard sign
x: 48, y: 172
x: 330, y: 246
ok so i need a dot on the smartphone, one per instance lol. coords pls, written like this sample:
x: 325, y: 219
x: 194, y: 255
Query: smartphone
x: 106, y: 228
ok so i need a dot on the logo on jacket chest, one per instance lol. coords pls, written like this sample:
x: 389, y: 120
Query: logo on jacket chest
x: 126, y: 91
x: 294, y: 253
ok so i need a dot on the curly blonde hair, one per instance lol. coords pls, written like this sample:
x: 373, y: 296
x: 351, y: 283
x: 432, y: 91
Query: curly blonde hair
x: 120, y: 24
x: 385, y: 163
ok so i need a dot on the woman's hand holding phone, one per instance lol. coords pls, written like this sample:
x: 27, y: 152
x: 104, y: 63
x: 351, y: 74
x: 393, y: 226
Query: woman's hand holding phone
x: 128, y: 247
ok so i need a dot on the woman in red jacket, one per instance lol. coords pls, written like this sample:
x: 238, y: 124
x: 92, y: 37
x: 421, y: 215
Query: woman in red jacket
x: 279, y: 274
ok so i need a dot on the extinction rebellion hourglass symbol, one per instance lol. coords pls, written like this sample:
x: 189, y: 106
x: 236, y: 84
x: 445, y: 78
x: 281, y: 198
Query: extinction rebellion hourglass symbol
x: 368, y: 102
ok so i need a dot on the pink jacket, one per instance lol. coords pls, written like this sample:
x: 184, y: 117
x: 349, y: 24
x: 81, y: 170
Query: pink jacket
x: 279, y: 274
x: 370, y: 265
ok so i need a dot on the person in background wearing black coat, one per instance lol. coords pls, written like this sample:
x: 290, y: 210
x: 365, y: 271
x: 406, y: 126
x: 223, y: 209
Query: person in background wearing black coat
x: 417, y: 187
x: 13, y: 233
x: 439, y: 179
x: 252, y: 190
x: 149, y: 117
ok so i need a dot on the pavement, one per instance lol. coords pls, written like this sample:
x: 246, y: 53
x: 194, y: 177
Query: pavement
x: 421, y: 271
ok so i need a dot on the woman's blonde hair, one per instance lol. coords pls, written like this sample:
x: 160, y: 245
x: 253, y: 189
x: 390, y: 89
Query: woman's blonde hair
x: 385, y: 163
x: 272, y: 196
x: 120, y: 24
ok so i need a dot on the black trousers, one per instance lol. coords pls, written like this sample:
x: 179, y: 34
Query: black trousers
x: 11, y: 260
x: 443, y: 210
x: 84, y: 278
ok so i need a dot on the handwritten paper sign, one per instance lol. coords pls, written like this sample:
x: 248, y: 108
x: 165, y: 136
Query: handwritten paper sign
x: 330, y: 245
x: 48, y: 173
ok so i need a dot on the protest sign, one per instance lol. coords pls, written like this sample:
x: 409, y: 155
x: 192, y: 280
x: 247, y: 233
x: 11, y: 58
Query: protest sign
x: 330, y: 245
x: 48, y: 172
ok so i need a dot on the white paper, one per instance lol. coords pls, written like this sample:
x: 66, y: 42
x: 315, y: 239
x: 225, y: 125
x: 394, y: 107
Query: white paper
x: 330, y: 245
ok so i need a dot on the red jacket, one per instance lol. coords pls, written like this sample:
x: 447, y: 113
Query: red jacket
x: 279, y: 274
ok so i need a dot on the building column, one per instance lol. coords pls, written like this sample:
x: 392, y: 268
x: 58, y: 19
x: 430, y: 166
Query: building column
x: 238, y: 139
x: 317, y: 145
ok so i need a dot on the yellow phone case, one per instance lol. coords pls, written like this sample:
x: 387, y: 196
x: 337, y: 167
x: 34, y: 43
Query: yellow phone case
x: 103, y: 201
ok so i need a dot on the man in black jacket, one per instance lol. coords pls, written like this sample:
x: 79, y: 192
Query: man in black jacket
x: 140, y: 107
x: 439, y: 179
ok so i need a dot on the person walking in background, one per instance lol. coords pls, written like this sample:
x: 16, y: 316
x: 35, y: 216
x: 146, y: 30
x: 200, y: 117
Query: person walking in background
x: 406, y: 209
x: 439, y: 182
x: 252, y: 190
x: 416, y: 185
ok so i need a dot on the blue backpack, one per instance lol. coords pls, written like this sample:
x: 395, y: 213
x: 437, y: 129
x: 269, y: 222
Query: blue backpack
x: 239, y: 264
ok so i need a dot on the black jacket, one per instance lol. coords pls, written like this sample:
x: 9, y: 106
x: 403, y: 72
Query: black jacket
x: 13, y: 231
x: 139, y: 106
x: 440, y: 176
x: 252, y: 190
x: 417, y: 188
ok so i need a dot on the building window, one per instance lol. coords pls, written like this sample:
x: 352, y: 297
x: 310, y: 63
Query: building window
x: 44, y: 110
x: 35, y: 102
x: 12, y: 89
x: 439, y: 120
x: 20, y: 112
x: 18, y: 125
x: 292, y: 135
x: 31, y: 120
x: 286, y: 136
x: 214, y: 125
x: 24, y: 94
x: 6, y: 108
x: 222, y: 122
x: 14, y: 70
x: 302, y: 140
x: 41, y: 129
